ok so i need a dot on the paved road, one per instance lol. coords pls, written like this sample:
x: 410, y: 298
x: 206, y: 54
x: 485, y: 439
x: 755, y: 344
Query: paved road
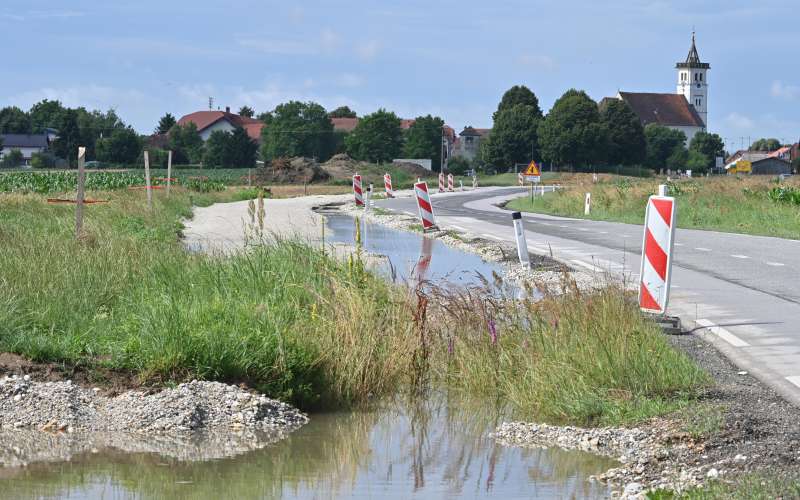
x: 749, y: 285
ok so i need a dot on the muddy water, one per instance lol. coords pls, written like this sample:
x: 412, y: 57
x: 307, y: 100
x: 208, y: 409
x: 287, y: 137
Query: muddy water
x: 433, y: 448
x: 437, y: 449
x: 409, y: 256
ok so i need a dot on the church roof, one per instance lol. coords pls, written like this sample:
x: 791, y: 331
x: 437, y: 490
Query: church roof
x: 693, y: 59
x: 664, y: 109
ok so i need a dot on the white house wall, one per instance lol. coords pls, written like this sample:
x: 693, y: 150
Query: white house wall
x: 222, y: 125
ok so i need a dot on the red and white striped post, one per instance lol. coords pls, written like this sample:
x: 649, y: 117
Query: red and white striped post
x: 424, y: 205
x: 387, y: 184
x: 441, y: 182
x: 520, y: 179
x: 656, y: 269
x: 358, y: 191
x: 450, y: 183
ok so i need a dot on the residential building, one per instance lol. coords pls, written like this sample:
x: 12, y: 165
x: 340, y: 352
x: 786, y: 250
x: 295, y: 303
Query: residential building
x: 208, y: 122
x: 687, y: 109
x: 468, y: 142
x: 771, y: 165
x: 27, y: 144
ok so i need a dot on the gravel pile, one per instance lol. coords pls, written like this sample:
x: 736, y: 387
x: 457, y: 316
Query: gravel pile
x: 194, y: 406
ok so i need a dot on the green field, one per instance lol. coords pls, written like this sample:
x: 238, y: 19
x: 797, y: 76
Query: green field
x: 746, y: 205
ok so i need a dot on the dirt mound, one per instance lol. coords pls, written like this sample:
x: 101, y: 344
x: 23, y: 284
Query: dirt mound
x: 290, y: 171
x: 341, y: 166
x: 412, y: 168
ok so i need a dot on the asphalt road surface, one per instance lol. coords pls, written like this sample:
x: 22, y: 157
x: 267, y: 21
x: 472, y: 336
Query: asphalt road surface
x: 741, y: 292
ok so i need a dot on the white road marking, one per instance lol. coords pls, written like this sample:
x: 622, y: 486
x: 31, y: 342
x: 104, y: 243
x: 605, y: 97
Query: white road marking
x: 795, y: 379
x: 738, y: 256
x: 545, y: 223
x: 409, y: 213
x: 722, y: 333
x: 457, y: 227
x: 776, y: 264
x: 492, y: 237
x: 562, y: 225
x: 678, y: 244
x: 702, y: 249
x: 602, y: 232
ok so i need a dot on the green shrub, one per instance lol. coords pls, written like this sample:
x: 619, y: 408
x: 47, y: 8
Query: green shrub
x: 12, y: 159
x: 43, y: 160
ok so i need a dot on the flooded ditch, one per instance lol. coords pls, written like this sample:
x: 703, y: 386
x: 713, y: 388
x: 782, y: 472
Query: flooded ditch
x: 434, y: 448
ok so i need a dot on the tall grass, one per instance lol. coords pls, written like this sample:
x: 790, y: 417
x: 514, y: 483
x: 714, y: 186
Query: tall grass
x: 283, y: 318
x: 573, y: 357
x: 730, y: 204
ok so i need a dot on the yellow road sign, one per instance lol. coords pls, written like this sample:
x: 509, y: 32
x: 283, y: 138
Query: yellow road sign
x: 533, y: 169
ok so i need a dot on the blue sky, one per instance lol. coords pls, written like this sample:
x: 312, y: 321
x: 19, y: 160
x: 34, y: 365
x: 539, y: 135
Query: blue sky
x: 414, y: 57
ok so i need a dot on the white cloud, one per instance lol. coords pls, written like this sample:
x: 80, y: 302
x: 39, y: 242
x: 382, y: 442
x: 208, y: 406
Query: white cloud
x: 783, y: 91
x: 368, y: 50
x: 278, y: 47
x: 89, y: 96
x: 538, y: 62
x: 739, y: 121
x: 41, y: 14
x: 329, y: 40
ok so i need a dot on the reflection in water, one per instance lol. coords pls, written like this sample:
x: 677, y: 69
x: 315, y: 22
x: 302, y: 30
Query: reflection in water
x: 433, y: 449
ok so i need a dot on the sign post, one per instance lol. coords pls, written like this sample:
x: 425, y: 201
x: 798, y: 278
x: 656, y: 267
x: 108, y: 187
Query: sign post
x: 80, y: 195
x: 533, y: 173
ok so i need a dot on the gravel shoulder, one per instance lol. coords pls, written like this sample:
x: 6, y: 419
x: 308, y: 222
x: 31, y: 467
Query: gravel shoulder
x: 739, y: 426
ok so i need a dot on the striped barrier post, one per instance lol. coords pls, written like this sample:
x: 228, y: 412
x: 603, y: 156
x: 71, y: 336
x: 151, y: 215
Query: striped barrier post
x: 656, y: 269
x: 358, y: 192
x: 424, y: 205
x: 441, y: 182
x: 450, y: 183
x: 387, y: 184
x: 520, y: 179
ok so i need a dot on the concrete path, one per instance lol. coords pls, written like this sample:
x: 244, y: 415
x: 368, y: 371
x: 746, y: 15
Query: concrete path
x: 749, y: 285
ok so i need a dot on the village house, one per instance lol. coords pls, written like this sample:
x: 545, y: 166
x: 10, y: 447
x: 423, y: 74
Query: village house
x: 468, y: 142
x: 210, y: 121
x: 27, y: 144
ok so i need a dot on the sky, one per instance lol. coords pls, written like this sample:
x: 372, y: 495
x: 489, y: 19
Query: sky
x: 413, y: 57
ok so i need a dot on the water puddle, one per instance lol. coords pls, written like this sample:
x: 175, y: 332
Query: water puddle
x: 436, y: 449
x: 411, y: 257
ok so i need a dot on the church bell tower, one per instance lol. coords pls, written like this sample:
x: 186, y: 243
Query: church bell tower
x: 693, y: 82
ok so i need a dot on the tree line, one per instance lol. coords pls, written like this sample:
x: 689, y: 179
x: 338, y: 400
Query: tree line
x: 581, y: 135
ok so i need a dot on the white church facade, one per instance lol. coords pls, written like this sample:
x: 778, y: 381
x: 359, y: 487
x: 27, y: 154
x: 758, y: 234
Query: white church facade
x: 687, y: 109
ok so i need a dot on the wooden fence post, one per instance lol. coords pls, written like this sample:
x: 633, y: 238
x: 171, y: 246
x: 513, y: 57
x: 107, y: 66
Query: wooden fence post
x: 169, y: 171
x: 147, y: 186
x: 80, y: 196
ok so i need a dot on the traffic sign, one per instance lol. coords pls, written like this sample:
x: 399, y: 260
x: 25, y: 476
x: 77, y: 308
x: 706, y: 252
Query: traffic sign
x: 533, y: 173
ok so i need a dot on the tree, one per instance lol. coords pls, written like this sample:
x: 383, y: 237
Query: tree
x: 246, y: 111
x: 514, y: 137
x: 458, y: 165
x: 297, y: 129
x: 518, y: 94
x: 424, y: 140
x: 122, y: 147
x: 697, y: 162
x: 342, y: 112
x: 677, y: 159
x: 45, y: 114
x: 265, y: 117
x: 376, y: 138
x: 12, y: 159
x: 243, y: 149
x: 217, y: 149
x: 14, y: 121
x: 766, y: 145
x: 626, y: 141
x: 95, y: 124
x: 185, y: 143
x: 69, y: 137
x: 572, y: 133
x: 165, y: 123
x: 43, y: 160
x: 662, y: 142
x: 710, y: 146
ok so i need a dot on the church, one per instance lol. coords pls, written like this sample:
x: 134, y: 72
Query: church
x: 685, y: 110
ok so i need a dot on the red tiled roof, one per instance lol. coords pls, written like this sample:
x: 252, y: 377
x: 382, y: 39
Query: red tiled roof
x: 664, y: 109
x: 783, y: 152
x: 344, y: 124
x: 406, y: 123
x: 204, y: 119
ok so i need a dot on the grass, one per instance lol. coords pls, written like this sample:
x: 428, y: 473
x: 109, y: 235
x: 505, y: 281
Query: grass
x: 284, y: 319
x: 752, y: 486
x: 729, y: 204
x: 586, y: 359
x: 297, y: 325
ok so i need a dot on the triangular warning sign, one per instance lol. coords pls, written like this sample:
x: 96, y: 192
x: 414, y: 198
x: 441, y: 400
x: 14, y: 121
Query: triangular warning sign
x: 533, y: 169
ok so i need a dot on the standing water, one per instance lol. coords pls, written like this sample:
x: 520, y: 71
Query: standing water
x: 434, y: 447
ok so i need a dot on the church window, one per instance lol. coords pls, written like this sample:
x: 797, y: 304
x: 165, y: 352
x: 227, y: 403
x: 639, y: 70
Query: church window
x: 701, y: 77
x: 695, y: 77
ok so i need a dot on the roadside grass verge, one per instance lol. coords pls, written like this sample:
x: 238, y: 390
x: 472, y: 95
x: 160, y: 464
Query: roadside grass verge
x: 578, y: 358
x: 129, y: 297
x: 753, y: 486
x: 729, y: 204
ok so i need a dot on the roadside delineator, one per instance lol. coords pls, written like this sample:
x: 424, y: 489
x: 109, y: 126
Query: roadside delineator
x: 662, y: 189
x: 587, y: 204
x: 387, y: 184
x: 475, y: 182
x: 520, y: 179
x: 450, y: 183
x: 368, y: 201
x: 358, y: 192
x: 522, y: 243
x: 658, y: 241
x: 424, y: 205
x: 441, y: 182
